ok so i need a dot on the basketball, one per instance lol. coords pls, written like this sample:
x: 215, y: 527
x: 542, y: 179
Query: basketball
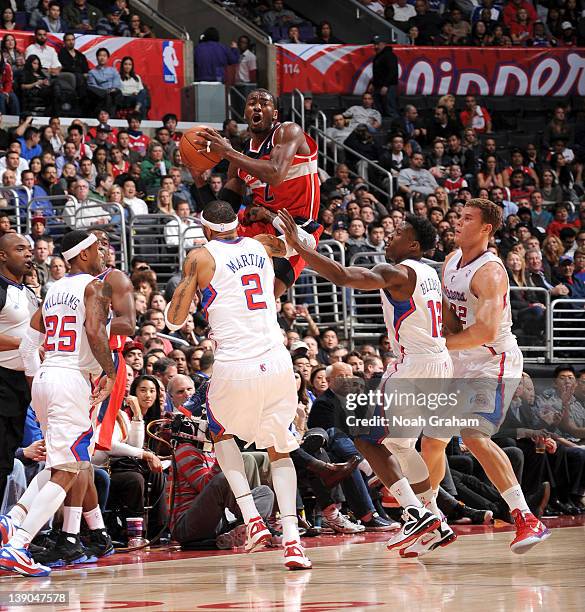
x: 194, y: 151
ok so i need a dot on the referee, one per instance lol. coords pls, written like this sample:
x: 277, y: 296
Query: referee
x: 17, y: 305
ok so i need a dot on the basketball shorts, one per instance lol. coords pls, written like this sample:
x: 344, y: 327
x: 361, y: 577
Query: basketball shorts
x: 255, y: 400
x: 61, y: 400
x: 286, y: 270
x: 488, y: 387
x: 404, y: 408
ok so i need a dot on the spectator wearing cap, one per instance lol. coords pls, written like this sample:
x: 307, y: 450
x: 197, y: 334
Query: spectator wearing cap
x: 82, y: 16
x: 134, y: 356
x: 385, y: 78
x: 340, y: 232
x: 112, y: 24
x: 567, y: 38
x: 104, y: 83
x: 566, y: 273
x: 38, y: 229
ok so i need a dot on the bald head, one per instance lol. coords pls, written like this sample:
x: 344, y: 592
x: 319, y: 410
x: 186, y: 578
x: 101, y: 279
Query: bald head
x: 180, y: 388
x: 15, y: 256
x: 8, y: 241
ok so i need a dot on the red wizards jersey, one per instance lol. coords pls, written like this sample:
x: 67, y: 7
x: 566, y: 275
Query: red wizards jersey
x: 299, y: 192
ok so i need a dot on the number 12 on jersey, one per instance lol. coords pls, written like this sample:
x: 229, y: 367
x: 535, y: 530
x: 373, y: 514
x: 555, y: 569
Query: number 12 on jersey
x: 436, y: 309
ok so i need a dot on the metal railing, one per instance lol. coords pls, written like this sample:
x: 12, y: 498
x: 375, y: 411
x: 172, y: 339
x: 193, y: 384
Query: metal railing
x: 298, y: 114
x: 191, y: 238
x: 566, y: 322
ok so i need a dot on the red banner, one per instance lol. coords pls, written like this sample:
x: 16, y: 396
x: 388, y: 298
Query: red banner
x: 158, y: 62
x: 347, y: 69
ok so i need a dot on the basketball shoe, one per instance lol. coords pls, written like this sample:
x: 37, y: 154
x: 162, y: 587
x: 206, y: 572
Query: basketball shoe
x: 66, y: 551
x: 7, y: 528
x: 442, y: 536
x: 417, y: 521
x: 341, y: 524
x: 98, y: 544
x: 257, y: 535
x: 19, y: 560
x: 529, y: 532
x: 295, y: 558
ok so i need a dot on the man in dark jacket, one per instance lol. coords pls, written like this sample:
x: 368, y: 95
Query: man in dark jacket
x: 385, y: 78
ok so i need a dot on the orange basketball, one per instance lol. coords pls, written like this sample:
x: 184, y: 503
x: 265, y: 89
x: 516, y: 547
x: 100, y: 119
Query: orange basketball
x: 194, y: 151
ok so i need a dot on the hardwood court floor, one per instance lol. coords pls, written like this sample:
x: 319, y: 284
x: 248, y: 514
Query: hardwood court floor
x: 476, y: 573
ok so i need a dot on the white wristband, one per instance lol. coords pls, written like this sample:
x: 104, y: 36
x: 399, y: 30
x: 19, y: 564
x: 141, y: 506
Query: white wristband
x: 305, y: 238
x: 29, y: 351
x: 171, y: 326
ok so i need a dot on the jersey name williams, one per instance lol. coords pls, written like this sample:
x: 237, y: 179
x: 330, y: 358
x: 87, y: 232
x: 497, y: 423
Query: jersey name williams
x: 251, y: 259
x: 65, y: 299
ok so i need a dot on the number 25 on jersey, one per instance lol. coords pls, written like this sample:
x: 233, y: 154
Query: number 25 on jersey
x: 66, y: 337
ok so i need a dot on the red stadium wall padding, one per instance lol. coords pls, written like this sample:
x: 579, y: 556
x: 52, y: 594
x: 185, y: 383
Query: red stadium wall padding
x: 347, y: 69
x: 159, y: 62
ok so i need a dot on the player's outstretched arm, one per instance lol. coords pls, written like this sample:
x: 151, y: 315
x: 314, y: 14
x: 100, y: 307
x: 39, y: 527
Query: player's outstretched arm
x: 382, y: 276
x: 273, y: 171
x: 490, y: 285
x: 124, y: 321
x: 177, y: 309
x: 98, y: 299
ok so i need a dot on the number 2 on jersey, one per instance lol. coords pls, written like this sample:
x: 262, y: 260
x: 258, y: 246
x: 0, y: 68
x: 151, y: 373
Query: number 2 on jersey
x: 436, y: 309
x: 67, y: 338
x: 252, y: 281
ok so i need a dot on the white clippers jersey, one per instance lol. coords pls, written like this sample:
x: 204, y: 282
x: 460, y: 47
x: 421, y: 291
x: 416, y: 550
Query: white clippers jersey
x: 414, y: 325
x: 66, y: 343
x: 239, y: 301
x: 457, y: 290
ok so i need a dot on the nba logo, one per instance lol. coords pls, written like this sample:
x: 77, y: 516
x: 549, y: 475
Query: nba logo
x: 170, y: 62
x: 263, y: 367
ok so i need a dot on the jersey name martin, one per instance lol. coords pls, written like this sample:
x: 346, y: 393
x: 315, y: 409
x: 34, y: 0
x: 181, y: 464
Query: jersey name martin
x: 455, y: 295
x: 251, y: 259
x: 430, y: 284
x: 65, y: 299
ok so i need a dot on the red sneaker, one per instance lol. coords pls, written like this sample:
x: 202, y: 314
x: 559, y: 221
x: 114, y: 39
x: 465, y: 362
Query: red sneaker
x: 529, y: 532
x: 295, y: 558
x: 257, y: 535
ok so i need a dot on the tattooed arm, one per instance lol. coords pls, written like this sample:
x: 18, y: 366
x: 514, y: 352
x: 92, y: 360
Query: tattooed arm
x: 98, y: 298
x: 197, y: 270
x: 273, y: 245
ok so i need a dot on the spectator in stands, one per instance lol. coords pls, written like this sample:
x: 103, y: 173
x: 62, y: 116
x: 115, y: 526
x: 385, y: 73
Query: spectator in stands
x: 247, y: 71
x: 558, y: 126
x: 212, y: 57
x: 163, y: 137
x: 416, y: 179
x: 39, y: 13
x: 540, y: 217
x: 29, y: 143
x: 475, y: 116
x: 85, y: 212
x: 134, y: 203
x: 521, y: 28
x: 46, y: 54
x: 9, y: 103
x: 35, y: 86
x: 325, y: 35
x: 427, y: 22
x: 8, y: 19
x: 154, y: 167
x: 181, y: 190
x: 394, y: 158
x: 293, y: 36
x: 10, y: 52
x: 41, y: 259
x: 138, y: 141
x: 104, y: 82
x: 551, y: 191
x: 134, y: 94
x: 278, y: 16
x: 75, y: 135
x: 137, y: 28
x: 208, y: 188
x: 53, y: 21
x: 339, y: 131
x: 561, y: 220
x: 82, y: 16
x: 112, y: 24
x: 362, y: 141
x: 385, y: 78
x: 441, y: 125
x: 74, y: 62
x: 366, y: 114
x: 177, y: 226
x: 568, y: 37
x: 511, y: 10
x: 402, y: 13
x: 489, y: 177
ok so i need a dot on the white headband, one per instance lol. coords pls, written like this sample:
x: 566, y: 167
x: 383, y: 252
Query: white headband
x: 84, y: 244
x: 219, y: 227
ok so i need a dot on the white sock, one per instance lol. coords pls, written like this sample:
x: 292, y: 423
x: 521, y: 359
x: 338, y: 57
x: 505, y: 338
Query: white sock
x: 72, y: 519
x: 231, y: 463
x: 18, y: 513
x: 47, y: 502
x: 515, y: 499
x: 365, y: 468
x: 404, y: 494
x: 429, y: 500
x: 94, y: 519
x: 284, y: 481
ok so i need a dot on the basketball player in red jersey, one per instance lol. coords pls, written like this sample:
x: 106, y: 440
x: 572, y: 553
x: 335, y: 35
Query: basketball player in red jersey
x: 279, y: 165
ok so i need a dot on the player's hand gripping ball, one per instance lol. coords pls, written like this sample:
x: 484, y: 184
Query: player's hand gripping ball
x: 195, y: 151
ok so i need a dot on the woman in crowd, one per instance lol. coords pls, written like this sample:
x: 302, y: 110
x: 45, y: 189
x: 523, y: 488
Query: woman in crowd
x: 10, y: 52
x: 552, y: 249
x: 186, y: 176
x: 521, y: 28
x: 527, y: 311
x: 134, y: 94
x: 46, y: 140
x: 118, y: 165
x: 35, y: 165
x: 144, y: 282
x: 115, y: 196
x: 437, y: 161
x: 35, y: 86
x: 8, y: 19
x: 303, y: 407
x: 551, y: 191
x: 489, y: 177
x: 9, y: 103
x: 325, y: 35
x: 164, y: 202
x: 157, y: 301
x: 318, y: 381
x: 100, y: 161
x: 480, y: 36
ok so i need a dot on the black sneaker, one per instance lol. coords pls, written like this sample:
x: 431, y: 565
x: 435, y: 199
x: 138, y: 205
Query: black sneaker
x: 66, y: 551
x: 464, y: 515
x: 377, y: 523
x: 99, y: 544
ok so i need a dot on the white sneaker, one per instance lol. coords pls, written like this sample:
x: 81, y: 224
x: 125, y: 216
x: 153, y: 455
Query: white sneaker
x: 442, y: 536
x: 341, y: 524
x: 417, y: 521
x: 257, y: 535
x: 295, y: 557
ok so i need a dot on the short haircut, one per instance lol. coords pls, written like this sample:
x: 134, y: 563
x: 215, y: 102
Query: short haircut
x: 424, y: 231
x: 162, y: 365
x: 100, y: 51
x: 263, y: 91
x: 70, y: 240
x: 564, y: 368
x: 206, y: 360
x: 219, y: 212
x: 490, y: 213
